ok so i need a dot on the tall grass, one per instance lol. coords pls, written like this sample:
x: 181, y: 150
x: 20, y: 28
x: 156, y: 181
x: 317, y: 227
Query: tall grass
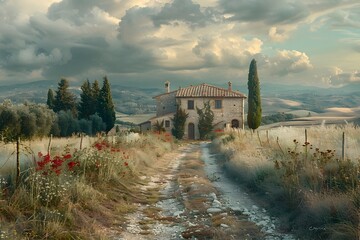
x: 308, y: 181
x: 73, y: 193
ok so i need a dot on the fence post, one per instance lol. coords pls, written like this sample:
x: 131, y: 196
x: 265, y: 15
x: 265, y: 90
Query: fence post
x: 343, y: 147
x: 81, y: 140
x: 17, y: 161
x: 49, y: 145
x: 306, y: 144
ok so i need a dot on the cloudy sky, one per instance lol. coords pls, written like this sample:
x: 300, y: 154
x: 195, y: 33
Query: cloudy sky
x: 146, y: 42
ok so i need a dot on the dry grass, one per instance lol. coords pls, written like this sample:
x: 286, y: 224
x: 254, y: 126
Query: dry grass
x: 77, y: 193
x: 317, y: 189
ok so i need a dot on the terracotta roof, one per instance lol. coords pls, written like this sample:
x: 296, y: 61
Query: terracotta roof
x: 205, y: 90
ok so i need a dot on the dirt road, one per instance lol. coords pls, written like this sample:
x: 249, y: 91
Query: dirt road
x: 189, y: 197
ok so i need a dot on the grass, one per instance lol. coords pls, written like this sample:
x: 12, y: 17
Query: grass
x: 305, y: 182
x: 75, y: 192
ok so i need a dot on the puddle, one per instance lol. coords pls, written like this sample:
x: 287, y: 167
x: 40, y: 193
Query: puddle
x: 235, y: 198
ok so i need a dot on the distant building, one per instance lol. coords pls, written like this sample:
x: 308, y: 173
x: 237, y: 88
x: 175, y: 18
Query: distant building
x: 226, y: 103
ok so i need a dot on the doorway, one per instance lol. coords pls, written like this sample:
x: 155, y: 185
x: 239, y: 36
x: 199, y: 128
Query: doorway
x: 235, y: 123
x: 191, y: 131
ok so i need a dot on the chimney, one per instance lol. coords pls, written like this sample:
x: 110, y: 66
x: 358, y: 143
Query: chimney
x: 230, y: 86
x: 167, y: 86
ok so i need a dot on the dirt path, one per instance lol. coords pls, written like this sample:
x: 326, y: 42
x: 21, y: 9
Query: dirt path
x: 184, y: 204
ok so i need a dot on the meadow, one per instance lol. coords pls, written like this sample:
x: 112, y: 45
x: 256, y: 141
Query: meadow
x: 304, y: 179
x: 74, y: 188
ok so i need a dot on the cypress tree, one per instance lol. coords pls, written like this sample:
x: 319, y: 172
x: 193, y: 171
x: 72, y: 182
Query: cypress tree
x: 179, y: 120
x: 86, y: 104
x: 106, y: 105
x: 95, y: 97
x: 50, y: 99
x: 206, y: 118
x: 64, y: 99
x: 254, y: 98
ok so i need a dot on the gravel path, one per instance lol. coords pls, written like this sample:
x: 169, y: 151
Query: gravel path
x: 197, y: 201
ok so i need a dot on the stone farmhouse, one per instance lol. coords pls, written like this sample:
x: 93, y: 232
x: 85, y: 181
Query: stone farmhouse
x: 226, y: 104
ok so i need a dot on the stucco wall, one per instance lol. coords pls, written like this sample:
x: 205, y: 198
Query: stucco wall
x: 165, y: 104
x: 232, y: 108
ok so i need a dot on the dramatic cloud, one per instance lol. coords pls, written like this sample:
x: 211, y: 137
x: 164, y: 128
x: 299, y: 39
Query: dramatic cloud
x: 289, y: 62
x: 184, y: 40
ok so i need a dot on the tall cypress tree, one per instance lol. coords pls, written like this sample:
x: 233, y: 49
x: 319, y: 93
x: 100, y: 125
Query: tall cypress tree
x: 50, y: 99
x: 95, y: 97
x: 86, y: 101
x: 254, y: 98
x: 106, y: 105
x: 64, y: 99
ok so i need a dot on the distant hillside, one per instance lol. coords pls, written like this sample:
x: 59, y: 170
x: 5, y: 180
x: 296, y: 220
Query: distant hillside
x: 139, y: 100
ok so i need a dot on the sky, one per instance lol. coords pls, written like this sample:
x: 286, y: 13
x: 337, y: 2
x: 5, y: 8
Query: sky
x: 147, y: 42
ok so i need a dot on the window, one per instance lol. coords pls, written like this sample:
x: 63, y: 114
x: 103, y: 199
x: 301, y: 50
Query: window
x: 167, y: 123
x: 190, y: 104
x: 218, y: 104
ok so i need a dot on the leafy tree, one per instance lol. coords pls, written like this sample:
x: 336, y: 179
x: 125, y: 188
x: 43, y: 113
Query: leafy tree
x: 9, y: 124
x: 86, y: 104
x: 64, y: 99
x: 45, y: 118
x: 95, y: 97
x: 106, y: 106
x: 179, y: 120
x: 97, y: 124
x: 159, y: 126
x: 254, y: 98
x: 50, y: 99
x: 68, y: 124
x: 27, y: 121
x: 206, y: 118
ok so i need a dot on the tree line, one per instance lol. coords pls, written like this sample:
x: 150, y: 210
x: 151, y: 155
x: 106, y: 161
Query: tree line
x: 63, y: 114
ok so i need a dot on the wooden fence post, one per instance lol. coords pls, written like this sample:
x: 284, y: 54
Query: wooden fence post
x: 49, y: 145
x: 81, y: 140
x: 17, y: 161
x: 306, y: 144
x: 343, y: 147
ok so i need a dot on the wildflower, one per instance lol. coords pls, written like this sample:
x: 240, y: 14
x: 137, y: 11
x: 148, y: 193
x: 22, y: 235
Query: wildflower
x: 126, y: 164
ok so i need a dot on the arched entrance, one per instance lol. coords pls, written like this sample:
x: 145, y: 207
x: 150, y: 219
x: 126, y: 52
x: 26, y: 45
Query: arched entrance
x: 191, y: 131
x: 235, y: 123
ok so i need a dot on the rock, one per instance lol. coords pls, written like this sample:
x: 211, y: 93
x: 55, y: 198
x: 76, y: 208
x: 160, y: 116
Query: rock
x: 213, y: 196
x: 216, y: 204
x: 177, y: 213
x: 213, y: 210
x: 224, y: 225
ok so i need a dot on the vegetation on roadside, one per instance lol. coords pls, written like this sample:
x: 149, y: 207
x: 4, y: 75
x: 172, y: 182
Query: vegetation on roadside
x: 254, y: 98
x: 179, y: 121
x: 307, y: 183
x: 60, y: 191
x: 206, y: 119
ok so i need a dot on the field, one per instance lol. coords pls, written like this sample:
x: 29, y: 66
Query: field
x: 74, y: 188
x: 303, y: 179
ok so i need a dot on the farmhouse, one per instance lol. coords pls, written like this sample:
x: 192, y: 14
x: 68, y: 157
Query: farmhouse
x: 226, y: 104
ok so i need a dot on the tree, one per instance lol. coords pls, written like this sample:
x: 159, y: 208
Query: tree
x: 254, y: 98
x: 95, y: 89
x: 159, y: 126
x: 206, y: 118
x: 64, y: 99
x: 86, y: 104
x: 106, y: 106
x: 9, y: 124
x: 50, y: 99
x: 179, y: 120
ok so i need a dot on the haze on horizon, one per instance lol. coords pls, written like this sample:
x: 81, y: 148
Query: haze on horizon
x: 146, y: 42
